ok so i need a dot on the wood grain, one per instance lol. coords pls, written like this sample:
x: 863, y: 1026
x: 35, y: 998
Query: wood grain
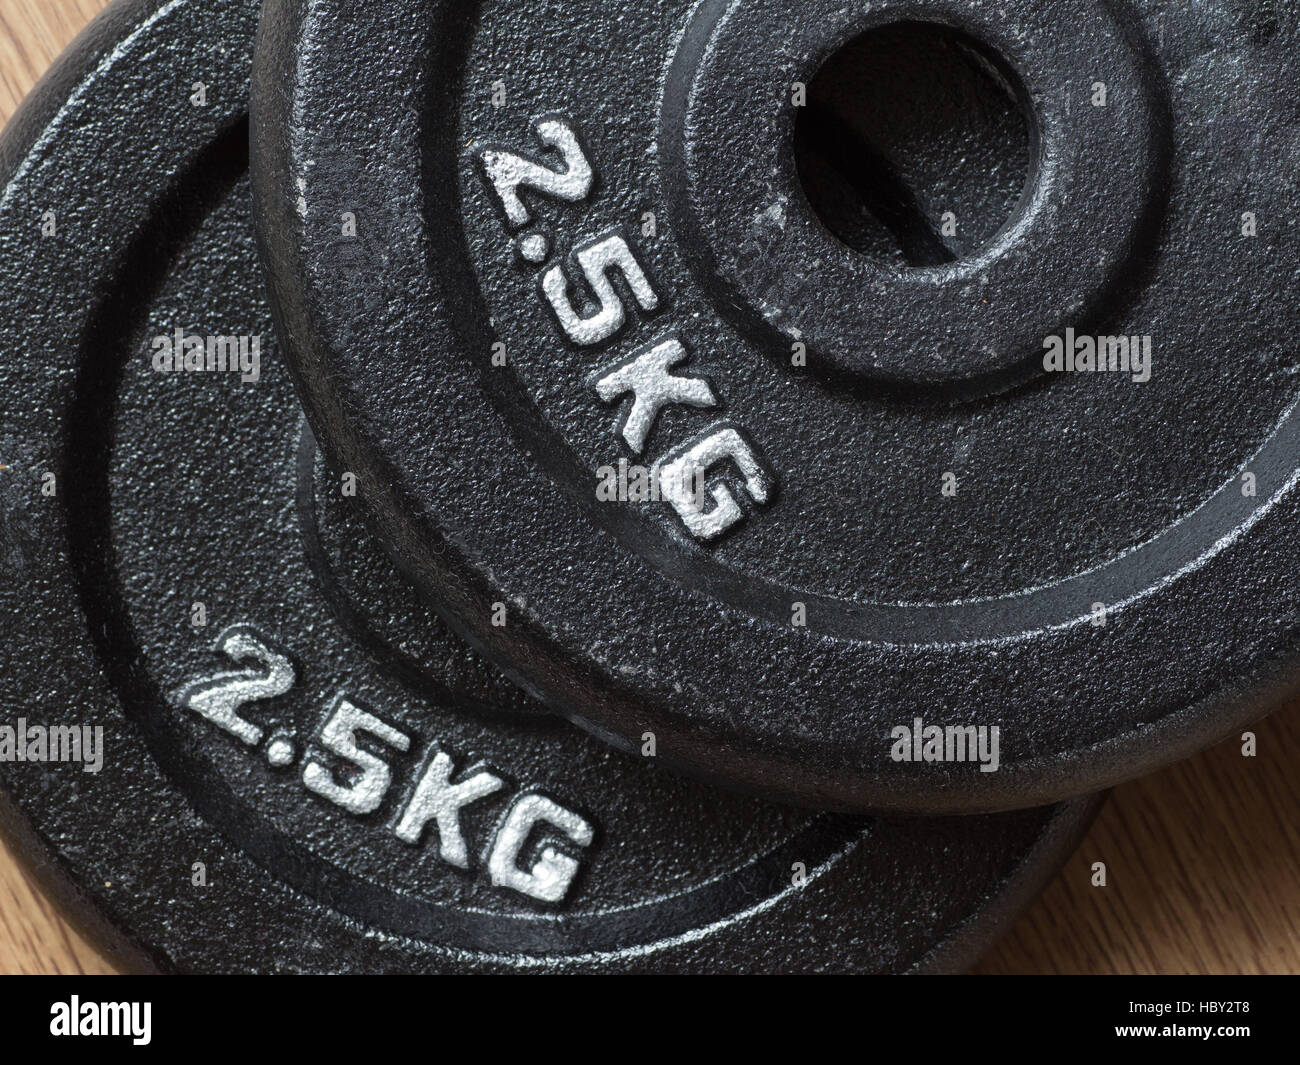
x: 1203, y: 859
x: 32, y: 33
x: 1203, y: 862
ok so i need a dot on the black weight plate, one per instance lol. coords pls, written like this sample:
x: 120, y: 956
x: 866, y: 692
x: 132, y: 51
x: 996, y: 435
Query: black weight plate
x: 1100, y: 567
x: 178, y: 488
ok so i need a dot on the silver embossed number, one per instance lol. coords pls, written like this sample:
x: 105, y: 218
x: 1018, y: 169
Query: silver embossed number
x: 598, y: 261
x: 508, y: 172
x: 221, y: 697
x: 369, y: 776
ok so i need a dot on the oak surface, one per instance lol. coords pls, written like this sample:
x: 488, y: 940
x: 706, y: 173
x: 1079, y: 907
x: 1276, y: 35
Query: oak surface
x: 1203, y: 859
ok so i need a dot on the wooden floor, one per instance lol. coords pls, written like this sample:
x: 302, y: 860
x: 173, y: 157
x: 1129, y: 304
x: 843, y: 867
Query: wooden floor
x: 1203, y: 858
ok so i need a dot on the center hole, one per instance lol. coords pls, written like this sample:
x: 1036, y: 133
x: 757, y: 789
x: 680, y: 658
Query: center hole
x: 914, y: 147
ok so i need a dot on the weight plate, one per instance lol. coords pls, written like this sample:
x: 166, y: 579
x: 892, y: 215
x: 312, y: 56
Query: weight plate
x: 523, y: 253
x: 299, y: 769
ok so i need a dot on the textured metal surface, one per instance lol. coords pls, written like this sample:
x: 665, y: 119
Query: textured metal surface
x: 184, y: 487
x: 1069, y: 493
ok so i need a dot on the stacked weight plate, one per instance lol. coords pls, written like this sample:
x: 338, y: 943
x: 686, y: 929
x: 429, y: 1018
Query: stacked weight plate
x: 324, y: 697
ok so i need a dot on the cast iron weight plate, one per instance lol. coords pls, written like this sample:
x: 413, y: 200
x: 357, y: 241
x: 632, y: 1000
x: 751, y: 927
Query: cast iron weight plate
x: 175, y: 488
x: 1100, y: 567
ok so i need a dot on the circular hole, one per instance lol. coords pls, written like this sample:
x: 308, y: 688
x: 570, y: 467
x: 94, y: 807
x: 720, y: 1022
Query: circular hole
x: 914, y: 147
